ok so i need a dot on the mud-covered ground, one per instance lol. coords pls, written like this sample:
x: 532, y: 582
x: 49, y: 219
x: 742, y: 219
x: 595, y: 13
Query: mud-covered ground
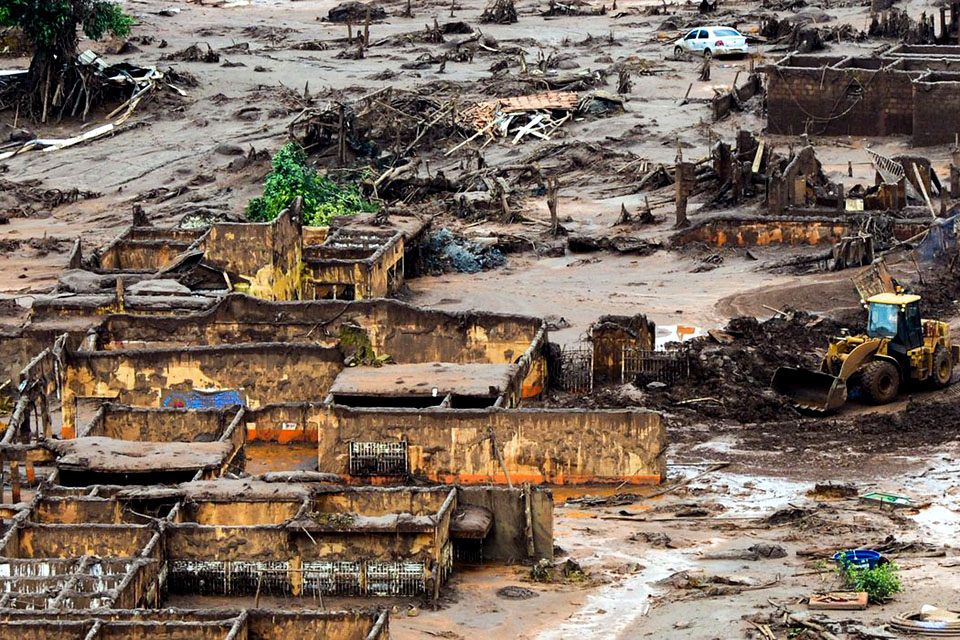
x: 650, y: 571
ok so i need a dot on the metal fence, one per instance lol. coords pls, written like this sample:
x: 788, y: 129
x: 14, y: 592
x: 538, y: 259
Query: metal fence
x: 576, y: 370
x: 655, y: 366
x: 378, y: 458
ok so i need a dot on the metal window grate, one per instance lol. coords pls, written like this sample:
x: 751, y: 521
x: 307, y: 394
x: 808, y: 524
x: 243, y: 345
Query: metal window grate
x: 199, y: 577
x: 394, y: 578
x: 659, y: 366
x: 576, y: 370
x: 333, y: 578
x: 378, y: 458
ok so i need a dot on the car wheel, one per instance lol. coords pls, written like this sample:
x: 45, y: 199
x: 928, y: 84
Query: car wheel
x: 678, y: 52
x: 707, y: 53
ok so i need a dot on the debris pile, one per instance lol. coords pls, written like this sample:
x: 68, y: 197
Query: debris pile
x: 730, y: 371
x: 573, y: 8
x: 538, y: 115
x: 193, y: 53
x: 444, y: 252
x: 354, y: 12
x: 499, y: 12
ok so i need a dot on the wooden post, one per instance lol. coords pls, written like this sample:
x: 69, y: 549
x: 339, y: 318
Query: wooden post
x: 681, y: 172
x: 120, y: 304
x: 45, y: 416
x: 366, y: 29
x: 341, y: 137
x: 552, y: 204
x: 15, y: 481
x: 528, y: 509
x: 31, y: 473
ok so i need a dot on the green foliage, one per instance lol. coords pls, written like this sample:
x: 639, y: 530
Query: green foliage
x: 323, y: 198
x: 47, y: 22
x: 355, y: 342
x: 880, y: 583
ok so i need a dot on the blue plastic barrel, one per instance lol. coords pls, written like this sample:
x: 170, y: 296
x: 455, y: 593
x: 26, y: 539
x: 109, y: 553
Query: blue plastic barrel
x: 860, y: 558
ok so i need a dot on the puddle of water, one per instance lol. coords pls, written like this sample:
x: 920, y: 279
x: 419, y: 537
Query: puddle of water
x: 939, y: 521
x: 761, y: 498
x: 615, y: 607
x: 562, y: 494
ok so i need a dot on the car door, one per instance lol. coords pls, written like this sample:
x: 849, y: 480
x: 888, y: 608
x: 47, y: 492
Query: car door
x: 702, y: 39
x: 690, y: 39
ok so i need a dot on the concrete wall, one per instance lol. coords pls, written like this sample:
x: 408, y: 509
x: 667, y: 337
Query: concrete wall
x: 263, y: 257
x: 260, y: 373
x: 793, y: 231
x: 76, y: 541
x: 554, y: 446
x: 409, y: 334
x: 158, y: 425
x: 507, y: 540
x: 276, y: 544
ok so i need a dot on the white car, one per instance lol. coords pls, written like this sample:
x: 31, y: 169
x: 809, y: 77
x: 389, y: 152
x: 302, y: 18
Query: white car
x: 712, y: 41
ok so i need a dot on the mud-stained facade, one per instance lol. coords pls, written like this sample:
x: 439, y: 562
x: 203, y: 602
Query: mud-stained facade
x: 246, y: 374
x: 354, y: 265
x: 262, y: 259
x: 889, y: 94
x: 610, y: 335
x: 190, y: 624
x: 541, y: 446
x: 796, y: 230
x: 99, y: 547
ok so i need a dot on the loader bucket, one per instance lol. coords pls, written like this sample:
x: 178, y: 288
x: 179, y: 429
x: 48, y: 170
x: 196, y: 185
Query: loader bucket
x: 812, y: 390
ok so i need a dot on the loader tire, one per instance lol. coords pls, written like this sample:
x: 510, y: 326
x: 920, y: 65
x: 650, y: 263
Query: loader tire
x: 942, y: 367
x: 880, y: 381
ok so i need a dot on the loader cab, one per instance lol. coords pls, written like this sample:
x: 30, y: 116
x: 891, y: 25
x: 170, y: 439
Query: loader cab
x: 896, y: 316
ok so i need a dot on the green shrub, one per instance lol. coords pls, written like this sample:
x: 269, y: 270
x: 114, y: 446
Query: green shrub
x: 323, y: 198
x: 880, y: 583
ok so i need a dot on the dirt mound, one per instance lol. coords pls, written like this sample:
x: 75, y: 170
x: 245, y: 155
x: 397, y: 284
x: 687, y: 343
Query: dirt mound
x: 940, y: 293
x: 923, y: 423
x: 732, y: 381
x: 355, y: 12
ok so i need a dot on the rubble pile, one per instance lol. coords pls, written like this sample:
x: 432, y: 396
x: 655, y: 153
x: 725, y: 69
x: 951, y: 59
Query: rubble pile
x: 444, y: 252
x: 499, y: 12
x: 730, y: 371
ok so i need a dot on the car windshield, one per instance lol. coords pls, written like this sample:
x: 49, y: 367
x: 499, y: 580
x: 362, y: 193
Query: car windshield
x: 883, y: 321
x: 725, y: 32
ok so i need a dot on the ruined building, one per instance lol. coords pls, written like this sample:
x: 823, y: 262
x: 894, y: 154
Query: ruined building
x: 171, y: 352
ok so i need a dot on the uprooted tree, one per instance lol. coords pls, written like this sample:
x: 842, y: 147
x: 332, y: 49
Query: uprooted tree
x: 56, y: 83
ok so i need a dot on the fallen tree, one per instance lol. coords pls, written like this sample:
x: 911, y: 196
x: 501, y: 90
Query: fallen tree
x: 56, y: 83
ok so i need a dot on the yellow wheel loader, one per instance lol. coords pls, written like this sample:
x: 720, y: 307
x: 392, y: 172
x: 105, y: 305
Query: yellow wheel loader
x: 898, y: 346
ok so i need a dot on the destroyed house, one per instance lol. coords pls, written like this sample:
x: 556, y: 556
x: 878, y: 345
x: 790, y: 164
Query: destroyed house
x: 449, y: 408
x: 906, y: 90
x: 186, y: 624
x: 100, y: 546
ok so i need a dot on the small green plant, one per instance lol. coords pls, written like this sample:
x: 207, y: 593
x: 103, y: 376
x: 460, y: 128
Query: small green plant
x: 880, y: 582
x: 291, y: 177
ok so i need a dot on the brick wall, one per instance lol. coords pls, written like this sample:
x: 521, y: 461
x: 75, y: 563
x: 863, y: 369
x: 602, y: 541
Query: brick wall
x: 843, y: 101
x: 932, y: 122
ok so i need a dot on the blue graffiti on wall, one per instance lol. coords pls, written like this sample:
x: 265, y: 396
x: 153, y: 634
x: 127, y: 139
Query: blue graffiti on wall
x: 204, y: 399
